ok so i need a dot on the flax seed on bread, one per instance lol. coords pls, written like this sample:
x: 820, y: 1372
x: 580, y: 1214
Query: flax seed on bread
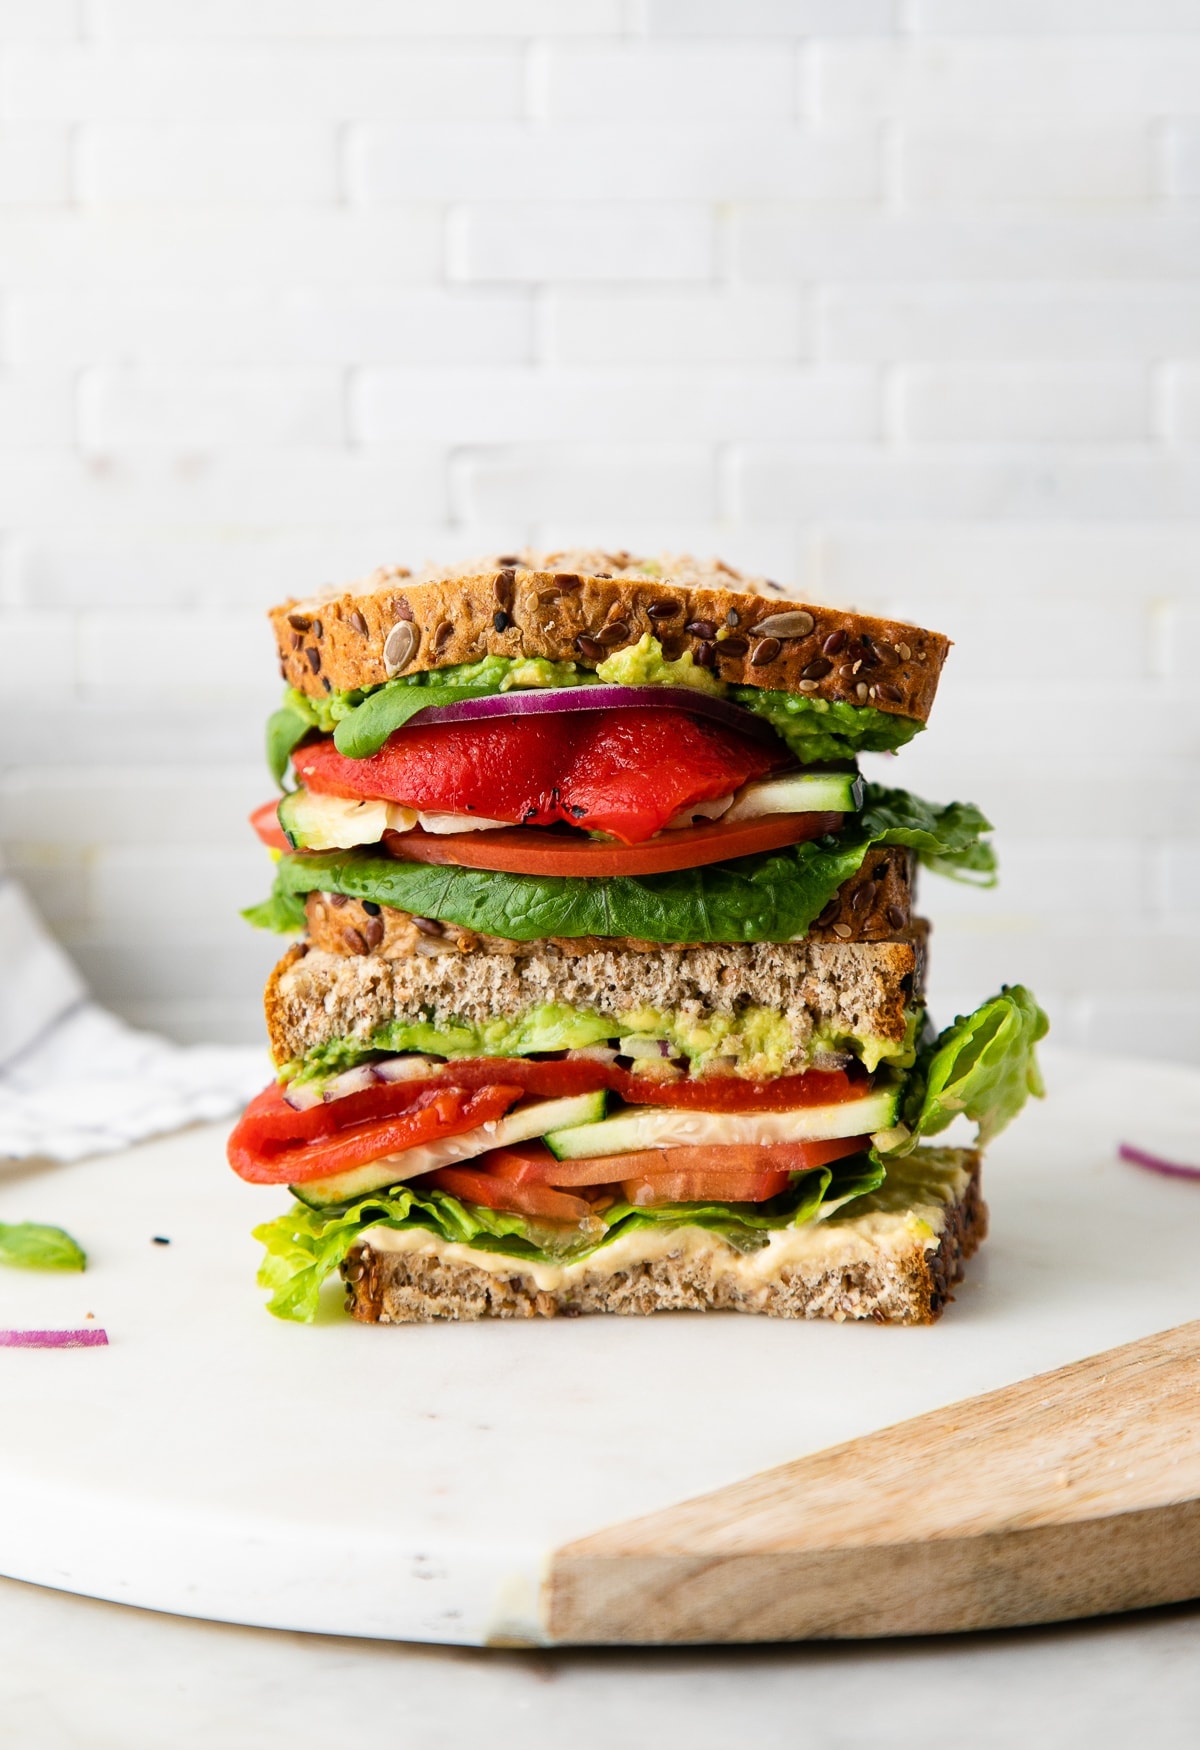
x: 893, y: 1256
x: 863, y: 989
x: 583, y: 607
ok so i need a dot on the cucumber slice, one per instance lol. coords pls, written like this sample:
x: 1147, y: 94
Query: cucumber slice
x: 675, y: 1127
x: 799, y: 793
x: 521, y: 1125
x: 338, y: 823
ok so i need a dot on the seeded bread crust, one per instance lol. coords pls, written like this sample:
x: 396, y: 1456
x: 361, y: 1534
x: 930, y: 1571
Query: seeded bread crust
x: 873, y: 906
x: 910, y: 1286
x: 844, y: 988
x: 545, y: 605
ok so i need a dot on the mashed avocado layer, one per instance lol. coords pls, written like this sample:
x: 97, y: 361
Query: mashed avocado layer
x: 757, y: 1043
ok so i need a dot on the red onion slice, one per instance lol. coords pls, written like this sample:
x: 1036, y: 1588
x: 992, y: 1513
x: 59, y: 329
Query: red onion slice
x: 552, y: 701
x: 1140, y: 1157
x: 91, y: 1337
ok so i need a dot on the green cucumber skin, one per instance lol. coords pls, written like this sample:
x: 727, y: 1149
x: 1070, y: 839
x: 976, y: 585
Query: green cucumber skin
x: 286, y: 813
x: 629, y: 1132
x: 519, y: 1126
x: 814, y: 793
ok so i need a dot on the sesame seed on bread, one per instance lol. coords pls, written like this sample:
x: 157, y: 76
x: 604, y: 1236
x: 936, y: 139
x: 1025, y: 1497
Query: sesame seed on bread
x: 585, y: 606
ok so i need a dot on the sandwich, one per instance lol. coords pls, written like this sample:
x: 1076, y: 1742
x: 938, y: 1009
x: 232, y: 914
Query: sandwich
x: 608, y: 986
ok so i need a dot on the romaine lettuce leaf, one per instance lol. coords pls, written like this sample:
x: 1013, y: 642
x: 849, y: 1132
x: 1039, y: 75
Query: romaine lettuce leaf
x: 772, y: 897
x: 31, y: 1246
x: 306, y: 1246
x: 984, y: 1065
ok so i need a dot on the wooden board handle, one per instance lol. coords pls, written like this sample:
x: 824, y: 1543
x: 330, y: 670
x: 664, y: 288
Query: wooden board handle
x: 1075, y: 1493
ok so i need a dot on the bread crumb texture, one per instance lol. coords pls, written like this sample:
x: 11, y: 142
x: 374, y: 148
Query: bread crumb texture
x: 854, y: 989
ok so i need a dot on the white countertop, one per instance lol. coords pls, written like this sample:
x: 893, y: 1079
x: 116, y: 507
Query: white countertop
x: 79, y: 1675
x: 75, y: 1672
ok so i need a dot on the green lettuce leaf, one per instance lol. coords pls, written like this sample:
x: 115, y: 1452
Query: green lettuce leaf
x: 31, y: 1246
x: 772, y: 897
x: 286, y: 729
x: 826, y: 729
x: 984, y: 1065
x: 305, y: 1246
x: 283, y: 912
x: 947, y: 840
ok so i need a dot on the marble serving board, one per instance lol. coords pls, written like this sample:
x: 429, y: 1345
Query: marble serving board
x: 414, y: 1483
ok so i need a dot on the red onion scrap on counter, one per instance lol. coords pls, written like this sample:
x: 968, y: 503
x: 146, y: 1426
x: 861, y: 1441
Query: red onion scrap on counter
x: 91, y: 1337
x: 1140, y: 1157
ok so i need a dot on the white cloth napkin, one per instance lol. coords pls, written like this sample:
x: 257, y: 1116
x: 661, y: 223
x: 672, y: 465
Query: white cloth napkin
x: 76, y: 1081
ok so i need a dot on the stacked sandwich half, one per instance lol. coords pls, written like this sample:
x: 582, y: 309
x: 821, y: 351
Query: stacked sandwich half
x: 609, y: 993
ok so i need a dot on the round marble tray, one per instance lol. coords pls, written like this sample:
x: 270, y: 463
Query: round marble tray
x: 412, y: 1483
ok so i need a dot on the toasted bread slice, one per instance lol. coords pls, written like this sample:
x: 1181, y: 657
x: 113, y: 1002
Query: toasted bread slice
x: 820, y: 991
x: 553, y: 606
x: 893, y: 1256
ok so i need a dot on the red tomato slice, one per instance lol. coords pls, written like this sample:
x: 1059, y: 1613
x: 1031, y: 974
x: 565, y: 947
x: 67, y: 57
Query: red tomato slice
x: 265, y: 822
x: 492, y: 1193
x: 731, y: 1094
x: 626, y: 773
x: 710, y: 1166
x: 525, y: 1163
x: 518, y: 851
x: 435, y: 1113
x: 706, y: 1187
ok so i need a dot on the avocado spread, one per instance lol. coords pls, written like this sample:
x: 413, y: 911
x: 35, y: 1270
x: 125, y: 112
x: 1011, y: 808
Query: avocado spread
x: 755, y: 1042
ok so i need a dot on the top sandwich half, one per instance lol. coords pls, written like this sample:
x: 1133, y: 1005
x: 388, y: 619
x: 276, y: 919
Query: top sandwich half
x: 593, y: 726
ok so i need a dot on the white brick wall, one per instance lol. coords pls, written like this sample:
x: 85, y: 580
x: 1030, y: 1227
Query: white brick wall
x: 895, y: 299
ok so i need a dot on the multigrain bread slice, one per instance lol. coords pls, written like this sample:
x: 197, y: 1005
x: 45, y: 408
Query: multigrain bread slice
x: 893, y: 1256
x: 820, y: 989
x: 873, y: 906
x: 584, y: 607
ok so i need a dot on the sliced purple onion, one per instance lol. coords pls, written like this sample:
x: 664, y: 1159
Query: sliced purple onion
x: 592, y: 1054
x: 351, y: 1081
x: 91, y: 1337
x: 303, y: 1096
x: 552, y: 701
x: 406, y: 1069
x: 1140, y: 1157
